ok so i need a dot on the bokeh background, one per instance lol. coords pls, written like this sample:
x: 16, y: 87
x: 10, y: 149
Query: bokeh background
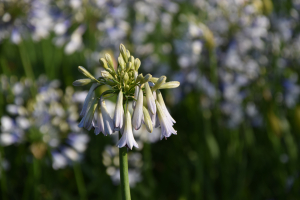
x: 237, y: 108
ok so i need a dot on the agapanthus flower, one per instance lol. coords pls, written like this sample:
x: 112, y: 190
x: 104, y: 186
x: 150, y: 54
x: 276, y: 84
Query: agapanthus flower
x: 128, y: 85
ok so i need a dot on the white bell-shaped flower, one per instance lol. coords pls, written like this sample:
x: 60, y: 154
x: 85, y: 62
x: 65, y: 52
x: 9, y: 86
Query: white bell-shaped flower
x: 166, y: 127
x: 127, y: 138
x: 119, y: 112
x: 107, y: 120
x: 138, y: 112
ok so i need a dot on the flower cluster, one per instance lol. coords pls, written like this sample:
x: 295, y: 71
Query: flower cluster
x: 148, y: 104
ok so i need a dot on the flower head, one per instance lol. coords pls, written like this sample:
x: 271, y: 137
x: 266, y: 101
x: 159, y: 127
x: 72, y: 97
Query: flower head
x: 128, y: 85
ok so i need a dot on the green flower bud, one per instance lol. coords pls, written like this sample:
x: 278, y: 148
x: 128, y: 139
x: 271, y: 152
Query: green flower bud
x: 110, y: 62
x: 104, y: 64
x: 169, y: 85
x: 126, y: 77
x: 86, y: 73
x: 106, y: 75
x: 131, y: 59
x: 139, y: 78
x: 128, y: 66
x: 160, y: 81
x: 153, y: 79
x: 147, y: 78
x: 128, y: 53
x: 137, y: 64
x: 82, y: 82
x: 121, y: 62
x: 124, y: 53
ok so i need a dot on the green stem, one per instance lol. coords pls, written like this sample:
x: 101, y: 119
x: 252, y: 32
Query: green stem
x: 124, y: 173
x: 3, y: 176
x: 36, y: 174
x: 79, y: 181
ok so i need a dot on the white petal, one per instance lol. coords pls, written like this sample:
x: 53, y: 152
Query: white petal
x: 127, y: 137
x: 166, y: 126
x: 138, y: 112
x: 150, y: 99
x: 88, y: 99
x: 108, y: 122
x: 119, y: 113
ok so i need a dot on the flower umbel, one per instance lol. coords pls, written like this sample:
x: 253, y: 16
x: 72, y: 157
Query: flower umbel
x: 125, y: 82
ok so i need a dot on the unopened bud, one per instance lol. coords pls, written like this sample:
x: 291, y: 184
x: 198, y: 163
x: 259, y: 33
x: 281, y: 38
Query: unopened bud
x: 128, y: 66
x: 139, y: 78
x: 153, y: 79
x: 160, y: 81
x: 126, y: 77
x: 82, y: 82
x: 121, y: 62
x: 104, y: 64
x: 86, y: 73
x: 147, y: 78
x: 128, y: 53
x: 131, y: 59
x: 106, y: 75
x: 137, y: 64
x: 123, y: 52
x: 169, y: 85
x: 110, y: 62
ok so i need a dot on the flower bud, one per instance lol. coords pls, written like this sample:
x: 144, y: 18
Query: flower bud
x: 110, y: 62
x: 128, y: 53
x: 147, y: 120
x: 126, y: 77
x: 137, y: 64
x: 82, y: 82
x: 123, y: 52
x: 139, y: 78
x: 86, y: 73
x: 153, y: 79
x: 106, y: 75
x: 128, y: 66
x: 121, y: 62
x: 146, y: 78
x: 169, y: 85
x: 104, y: 64
x: 160, y: 81
x: 131, y: 59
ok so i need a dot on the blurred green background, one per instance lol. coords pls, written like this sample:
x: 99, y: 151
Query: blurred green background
x: 237, y: 109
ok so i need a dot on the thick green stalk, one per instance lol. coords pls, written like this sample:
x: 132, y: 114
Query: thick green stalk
x: 3, y: 176
x: 79, y: 181
x: 124, y: 173
x: 36, y: 175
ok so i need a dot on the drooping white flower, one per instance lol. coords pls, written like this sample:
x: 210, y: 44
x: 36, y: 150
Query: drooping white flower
x: 98, y: 121
x: 138, y: 112
x: 119, y: 112
x: 88, y: 99
x: 147, y: 120
x: 166, y: 127
x: 150, y: 99
x: 163, y: 106
x: 107, y: 120
x: 86, y: 121
x: 127, y: 136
